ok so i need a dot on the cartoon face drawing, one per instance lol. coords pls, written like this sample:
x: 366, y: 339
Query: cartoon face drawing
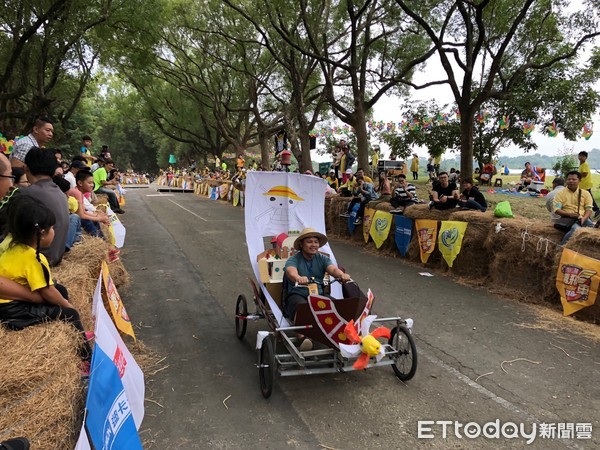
x: 281, y: 202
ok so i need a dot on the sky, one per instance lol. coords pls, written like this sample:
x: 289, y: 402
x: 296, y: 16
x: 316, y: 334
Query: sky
x: 387, y: 109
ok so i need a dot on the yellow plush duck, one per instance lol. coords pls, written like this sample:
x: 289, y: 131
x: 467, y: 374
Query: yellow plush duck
x: 366, y: 345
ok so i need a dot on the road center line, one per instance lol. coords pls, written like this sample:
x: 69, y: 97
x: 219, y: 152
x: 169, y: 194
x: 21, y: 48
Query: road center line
x: 191, y: 212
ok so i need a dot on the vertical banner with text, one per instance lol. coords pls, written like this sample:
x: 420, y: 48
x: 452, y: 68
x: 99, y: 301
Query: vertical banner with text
x: 577, y: 281
x: 426, y: 233
x: 115, y: 303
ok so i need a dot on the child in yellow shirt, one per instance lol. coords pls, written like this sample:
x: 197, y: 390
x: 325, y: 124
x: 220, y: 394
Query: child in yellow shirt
x: 31, y: 227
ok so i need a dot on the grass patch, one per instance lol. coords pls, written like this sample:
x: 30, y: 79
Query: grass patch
x: 523, y: 205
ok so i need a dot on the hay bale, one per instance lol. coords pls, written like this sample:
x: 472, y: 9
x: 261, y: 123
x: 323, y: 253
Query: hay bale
x: 339, y: 225
x: 585, y: 241
x: 383, y: 206
x: 40, y: 388
x: 472, y: 263
x: 521, y: 266
x: 119, y: 274
x: 80, y: 283
x: 421, y: 211
x: 90, y: 253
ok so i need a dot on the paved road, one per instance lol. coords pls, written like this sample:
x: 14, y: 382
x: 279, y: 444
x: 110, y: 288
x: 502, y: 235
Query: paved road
x: 188, y: 261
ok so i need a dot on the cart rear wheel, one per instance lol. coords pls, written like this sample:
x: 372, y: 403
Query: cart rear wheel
x: 267, y: 366
x: 405, y: 364
x: 241, y: 309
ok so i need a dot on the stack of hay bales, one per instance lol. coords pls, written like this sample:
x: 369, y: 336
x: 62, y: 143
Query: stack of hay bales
x: 339, y: 225
x: 41, y: 394
x: 520, y: 265
x: 472, y: 263
x: 521, y: 260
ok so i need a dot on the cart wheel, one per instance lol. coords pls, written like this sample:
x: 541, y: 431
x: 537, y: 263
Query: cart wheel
x: 405, y: 364
x: 266, y: 369
x: 241, y: 309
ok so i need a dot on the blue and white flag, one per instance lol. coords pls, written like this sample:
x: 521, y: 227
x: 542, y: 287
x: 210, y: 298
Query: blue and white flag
x: 115, y: 401
x: 109, y: 418
x: 403, y: 233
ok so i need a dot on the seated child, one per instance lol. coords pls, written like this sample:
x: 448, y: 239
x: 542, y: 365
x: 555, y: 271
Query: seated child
x: 31, y: 226
x: 90, y: 220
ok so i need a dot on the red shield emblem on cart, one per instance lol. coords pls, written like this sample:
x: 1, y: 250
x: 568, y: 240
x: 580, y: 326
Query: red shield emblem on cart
x: 329, y: 321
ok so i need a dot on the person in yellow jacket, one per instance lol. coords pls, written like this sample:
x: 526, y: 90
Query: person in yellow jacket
x: 586, y: 180
x: 414, y: 166
x: 332, y: 180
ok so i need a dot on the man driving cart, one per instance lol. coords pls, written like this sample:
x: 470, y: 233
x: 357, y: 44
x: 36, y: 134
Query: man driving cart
x: 306, y: 266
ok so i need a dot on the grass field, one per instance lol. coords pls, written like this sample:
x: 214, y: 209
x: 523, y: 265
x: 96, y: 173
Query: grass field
x: 523, y: 205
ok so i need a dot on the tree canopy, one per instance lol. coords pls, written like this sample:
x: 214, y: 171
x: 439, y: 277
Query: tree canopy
x: 201, y: 78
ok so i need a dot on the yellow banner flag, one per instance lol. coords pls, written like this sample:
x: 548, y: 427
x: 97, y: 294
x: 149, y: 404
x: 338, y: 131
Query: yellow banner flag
x: 450, y: 239
x: 367, y: 222
x: 117, y: 308
x: 577, y: 281
x: 236, y: 197
x: 224, y: 190
x: 380, y: 227
x: 426, y: 231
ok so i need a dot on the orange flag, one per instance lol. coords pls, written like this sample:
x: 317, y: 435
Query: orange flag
x: 117, y: 309
x: 577, y: 281
x: 426, y: 232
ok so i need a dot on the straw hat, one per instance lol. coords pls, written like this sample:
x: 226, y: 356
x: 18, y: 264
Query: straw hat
x: 309, y: 232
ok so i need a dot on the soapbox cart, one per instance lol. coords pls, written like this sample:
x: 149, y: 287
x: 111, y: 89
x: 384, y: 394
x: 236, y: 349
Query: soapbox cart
x: 329, y: 324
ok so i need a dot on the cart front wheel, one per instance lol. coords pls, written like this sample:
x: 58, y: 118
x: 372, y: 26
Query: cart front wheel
x: 267, y: 366
x: 405, y: 364
x: 241, y: 311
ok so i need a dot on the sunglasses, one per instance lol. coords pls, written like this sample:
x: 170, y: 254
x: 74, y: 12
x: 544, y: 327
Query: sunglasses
x: 12, y: 177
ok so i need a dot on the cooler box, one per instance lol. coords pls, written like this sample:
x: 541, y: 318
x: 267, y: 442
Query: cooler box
x: 536, y: 186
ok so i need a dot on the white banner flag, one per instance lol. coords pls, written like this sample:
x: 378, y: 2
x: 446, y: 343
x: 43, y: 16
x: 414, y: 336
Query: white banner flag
x: 116, y: 228
x: 280, y: 202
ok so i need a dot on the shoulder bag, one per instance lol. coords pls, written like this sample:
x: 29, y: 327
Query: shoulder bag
x: 565, y: 223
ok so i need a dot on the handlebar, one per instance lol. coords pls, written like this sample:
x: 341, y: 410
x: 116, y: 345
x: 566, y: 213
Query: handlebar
x: 313, y: 281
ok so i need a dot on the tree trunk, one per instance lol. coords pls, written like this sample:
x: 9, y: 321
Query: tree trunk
x: 306, y: 161
x: 466, y: 143
x: 362, y: 140
x: 264, y: 141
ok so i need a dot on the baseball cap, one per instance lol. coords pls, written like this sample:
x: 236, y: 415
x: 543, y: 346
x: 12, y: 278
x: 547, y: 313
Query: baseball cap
x: 348, y: 171
x: 77, y: 164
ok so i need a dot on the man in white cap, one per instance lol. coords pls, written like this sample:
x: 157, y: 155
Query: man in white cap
x: 332, y: 180
x: 305, y: 266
